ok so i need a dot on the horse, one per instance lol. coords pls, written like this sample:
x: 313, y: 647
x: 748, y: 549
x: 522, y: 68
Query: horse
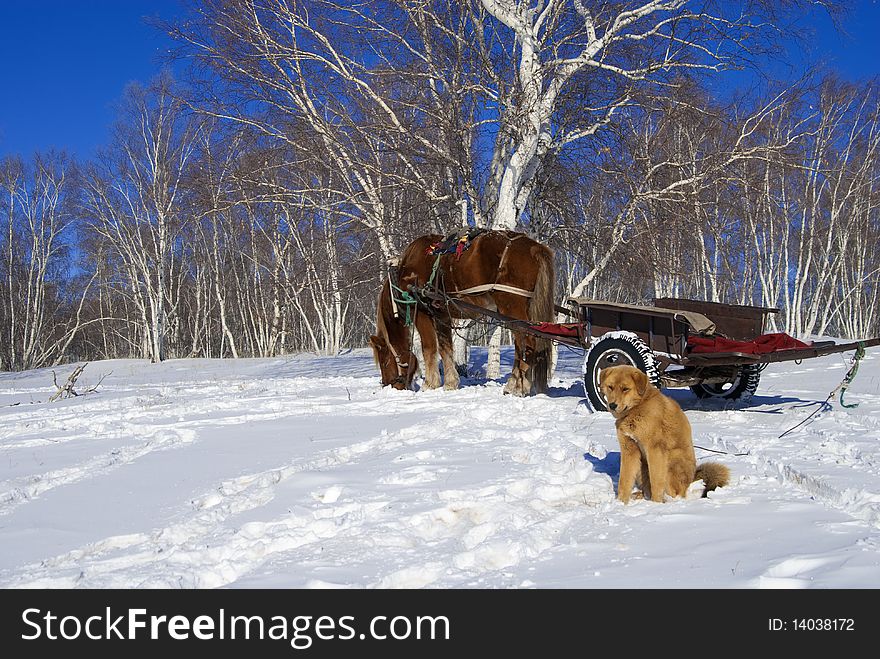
x: 502, y: 271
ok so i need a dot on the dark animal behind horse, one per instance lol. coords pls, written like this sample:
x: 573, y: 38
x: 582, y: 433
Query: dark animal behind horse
x: 502, y: 271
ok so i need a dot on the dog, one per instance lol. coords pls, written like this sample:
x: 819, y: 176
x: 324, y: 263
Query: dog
x: 656, y: 449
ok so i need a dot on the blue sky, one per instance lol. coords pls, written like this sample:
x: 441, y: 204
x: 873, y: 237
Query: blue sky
x: 66, y: 63
x: 856, y: 51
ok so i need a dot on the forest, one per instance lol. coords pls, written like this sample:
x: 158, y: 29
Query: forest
x: 254, y: 192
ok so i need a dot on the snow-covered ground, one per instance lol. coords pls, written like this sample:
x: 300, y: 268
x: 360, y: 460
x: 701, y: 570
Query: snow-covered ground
x: 302, y: 472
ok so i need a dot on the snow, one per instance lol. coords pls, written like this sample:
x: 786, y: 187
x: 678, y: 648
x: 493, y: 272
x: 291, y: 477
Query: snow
x: 302, y: 472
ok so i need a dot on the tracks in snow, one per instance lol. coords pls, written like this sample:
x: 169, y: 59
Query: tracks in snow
x: 484, y: 525
x: 818, y: 458
x: 227, y: 534
x: 137, y: 425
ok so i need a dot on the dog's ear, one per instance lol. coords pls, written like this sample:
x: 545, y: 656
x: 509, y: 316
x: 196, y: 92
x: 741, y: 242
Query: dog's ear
x: 641, y: 379
x: 602, y: 375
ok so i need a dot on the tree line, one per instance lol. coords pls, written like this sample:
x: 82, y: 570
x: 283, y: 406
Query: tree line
x: 250, y: 207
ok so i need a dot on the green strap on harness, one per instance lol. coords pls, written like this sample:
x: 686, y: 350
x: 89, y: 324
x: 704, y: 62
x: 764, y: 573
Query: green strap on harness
x: 406, y: 299
x: 850, y: 376
x: 433, y: 271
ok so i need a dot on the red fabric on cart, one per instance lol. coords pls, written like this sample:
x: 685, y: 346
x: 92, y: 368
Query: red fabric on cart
x: 763, y: 344
x: 558, y: 329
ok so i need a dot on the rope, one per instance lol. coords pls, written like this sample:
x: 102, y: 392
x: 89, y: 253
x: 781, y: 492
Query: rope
x: 406, y: 299
x: 825, y: 405
x: 717, y: 451
x: 433, y: 272
x: 851, y: 375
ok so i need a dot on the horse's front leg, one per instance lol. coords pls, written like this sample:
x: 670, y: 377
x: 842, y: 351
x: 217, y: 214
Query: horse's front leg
x: 447, y: 354
x: 428, y: 335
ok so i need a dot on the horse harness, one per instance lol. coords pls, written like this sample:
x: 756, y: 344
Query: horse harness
x: 495, y: 286
x: 414, y: 298
x: 437, y: 285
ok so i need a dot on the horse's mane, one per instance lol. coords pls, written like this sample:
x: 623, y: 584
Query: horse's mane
x: 381, y: 328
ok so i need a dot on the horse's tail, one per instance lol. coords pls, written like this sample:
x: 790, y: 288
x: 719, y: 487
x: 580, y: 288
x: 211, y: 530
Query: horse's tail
x: 541, y: 309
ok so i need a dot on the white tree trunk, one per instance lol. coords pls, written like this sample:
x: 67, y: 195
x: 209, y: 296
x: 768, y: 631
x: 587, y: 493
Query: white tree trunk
x: 493, y: 359
x: 460, y: 350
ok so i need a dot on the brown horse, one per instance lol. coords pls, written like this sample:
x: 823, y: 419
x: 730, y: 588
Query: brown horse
x: 502, y: 271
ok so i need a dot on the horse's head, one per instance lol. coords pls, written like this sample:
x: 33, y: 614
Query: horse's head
x: 398, y: 366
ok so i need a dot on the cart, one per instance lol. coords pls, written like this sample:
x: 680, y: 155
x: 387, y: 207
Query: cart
x: 656, y: 339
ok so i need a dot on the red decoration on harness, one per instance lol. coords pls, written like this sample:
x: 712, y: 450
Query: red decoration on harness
x: 455, y: 243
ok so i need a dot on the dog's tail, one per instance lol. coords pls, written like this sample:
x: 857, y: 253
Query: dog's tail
x: 713, y: 475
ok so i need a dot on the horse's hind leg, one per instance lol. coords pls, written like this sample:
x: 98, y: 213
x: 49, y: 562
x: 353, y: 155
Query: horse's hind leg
x: 537, y: 363
x: 447, y: 353
x: 428, y: 334
x: 518, y: 383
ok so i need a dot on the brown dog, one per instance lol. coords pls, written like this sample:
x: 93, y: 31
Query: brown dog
x: 656, y: 450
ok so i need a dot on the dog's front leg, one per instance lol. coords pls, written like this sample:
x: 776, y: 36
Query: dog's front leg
x: 658, y: 468
x: 643, y: 480
x: 630, y: 466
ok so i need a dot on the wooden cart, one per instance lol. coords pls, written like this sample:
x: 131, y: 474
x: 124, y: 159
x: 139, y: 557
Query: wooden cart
x: 655, y: 340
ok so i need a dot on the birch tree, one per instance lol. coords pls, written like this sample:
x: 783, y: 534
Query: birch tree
x: 602, y: 54
x: 41, y: 300
x: 134, y: 201
x: 307, y: 68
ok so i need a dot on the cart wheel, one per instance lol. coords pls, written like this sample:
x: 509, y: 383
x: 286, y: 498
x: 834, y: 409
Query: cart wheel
x: 740, y: 388
x: 622, y: 348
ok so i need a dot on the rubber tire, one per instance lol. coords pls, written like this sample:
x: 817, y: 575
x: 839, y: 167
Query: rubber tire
x: 610, y: 351
x: 740, y: 389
